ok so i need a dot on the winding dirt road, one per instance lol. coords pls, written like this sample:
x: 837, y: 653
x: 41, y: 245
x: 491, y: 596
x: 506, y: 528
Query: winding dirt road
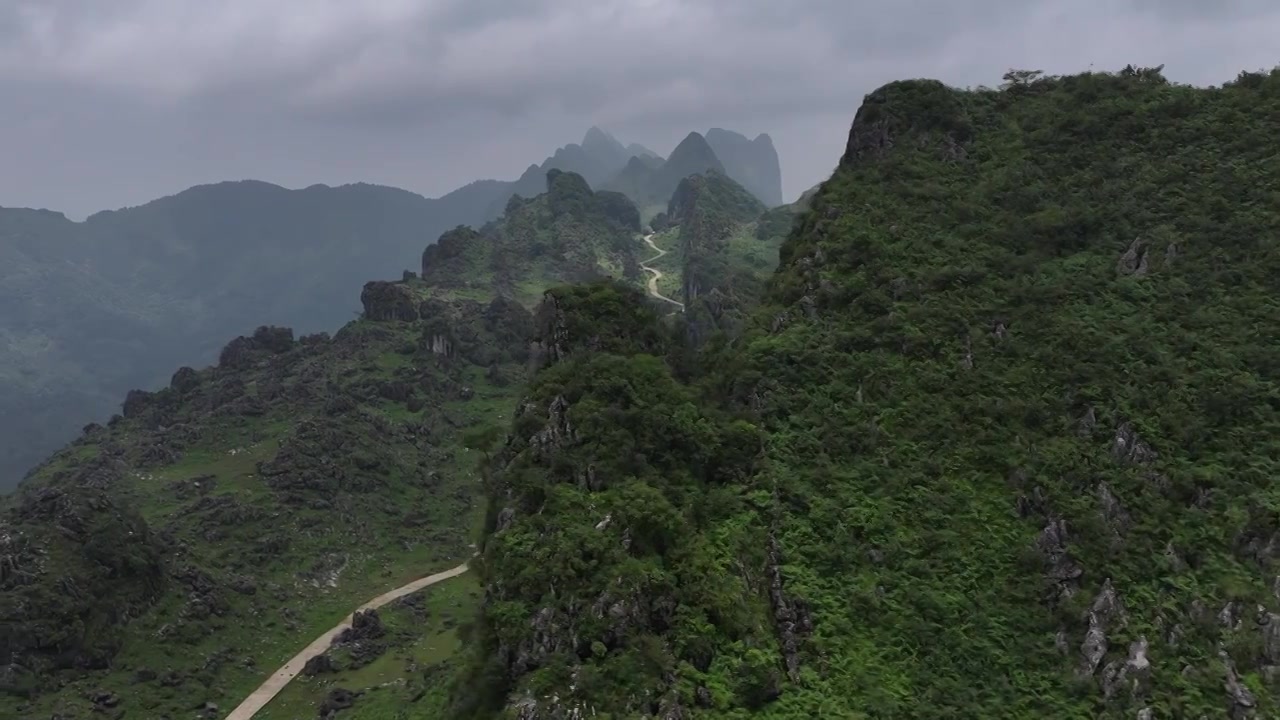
x: 656, y: 273
x: 274, y: 684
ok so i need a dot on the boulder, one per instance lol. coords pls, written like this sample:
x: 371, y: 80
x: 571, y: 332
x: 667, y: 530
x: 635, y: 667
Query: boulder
x: 388, y: 301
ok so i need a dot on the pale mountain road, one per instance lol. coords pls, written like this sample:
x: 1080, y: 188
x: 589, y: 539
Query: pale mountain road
x: 274, y: 684
x: 656, y: 274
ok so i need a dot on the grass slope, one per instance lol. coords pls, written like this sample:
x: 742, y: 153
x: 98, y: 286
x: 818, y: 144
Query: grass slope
x: 277, y: 492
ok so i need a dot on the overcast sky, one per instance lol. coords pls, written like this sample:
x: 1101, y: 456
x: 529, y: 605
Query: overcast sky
x: 106, y: 103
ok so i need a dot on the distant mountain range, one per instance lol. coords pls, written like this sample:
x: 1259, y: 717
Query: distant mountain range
x: 95, y: 308
x: 643, y: 175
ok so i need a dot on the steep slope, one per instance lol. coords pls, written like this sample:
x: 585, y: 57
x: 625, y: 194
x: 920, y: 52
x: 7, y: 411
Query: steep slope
x: 753, y: 163
x: 1007, y: 430
x: 169, y: 557
x: 172, y: 557
x: 709, y: 211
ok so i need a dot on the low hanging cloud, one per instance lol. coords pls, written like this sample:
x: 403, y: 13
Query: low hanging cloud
x: 252, y: 79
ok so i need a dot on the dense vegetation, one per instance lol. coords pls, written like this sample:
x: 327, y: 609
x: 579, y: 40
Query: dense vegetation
x: 709, y: 210
x: 1000, y: 443
x: 599, y: 575
x: 723, y: 248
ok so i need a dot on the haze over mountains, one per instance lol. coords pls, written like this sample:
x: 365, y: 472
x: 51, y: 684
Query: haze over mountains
x: 95, y: 308
x: 997, y: 400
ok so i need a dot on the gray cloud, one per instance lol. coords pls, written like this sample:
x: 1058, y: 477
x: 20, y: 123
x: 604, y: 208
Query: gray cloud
x: 115, y: 103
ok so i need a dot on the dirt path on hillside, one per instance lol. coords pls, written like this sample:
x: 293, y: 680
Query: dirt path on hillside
x: 274, y: 684
x: 656, y: 273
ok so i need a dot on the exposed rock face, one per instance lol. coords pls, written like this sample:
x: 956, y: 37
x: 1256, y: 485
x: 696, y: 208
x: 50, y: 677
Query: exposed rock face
x: 319, y: 665
x: 364, y: 639
x: 136, y: 402
x: 557, y: 432
x: 790, y: 614
x: 1135, y: 259
x: 1243, y: 702
x: 1104, y: 614
x: 337, y: 700
x: 243, y: 352
x: 921, y: 111
x: 552, y: 333
x: 389, y: 301
x: 1062, y: 569
x: 1128, y: 446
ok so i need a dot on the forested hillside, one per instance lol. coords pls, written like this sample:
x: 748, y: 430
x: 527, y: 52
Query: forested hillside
x: 170, y: 559
x: 1000, y: 442
x: 95, y: 308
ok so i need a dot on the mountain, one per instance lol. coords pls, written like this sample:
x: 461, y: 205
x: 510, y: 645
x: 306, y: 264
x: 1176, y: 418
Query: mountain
x: 598, y: 158
x: 567, y: 234
x: 723, y: 247
x: 753, y: 163
x: 166, y: 560
x: 650, y: 184
x: 1000, y: 440
x: 116, y: 302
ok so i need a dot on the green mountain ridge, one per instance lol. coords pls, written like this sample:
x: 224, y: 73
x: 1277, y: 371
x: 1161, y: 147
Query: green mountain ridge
x: 724, y: 247
x: 999, y: 442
